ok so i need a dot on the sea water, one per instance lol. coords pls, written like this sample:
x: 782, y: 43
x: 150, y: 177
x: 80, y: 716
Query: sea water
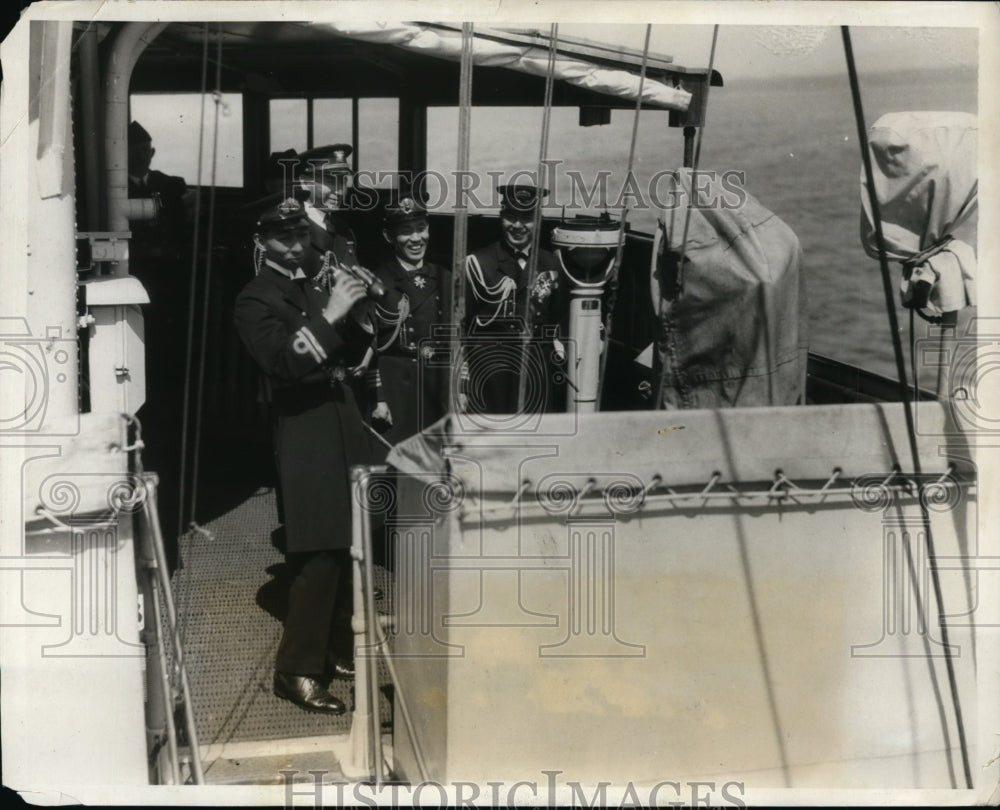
x: 793, y: 138
x: 795, y: 141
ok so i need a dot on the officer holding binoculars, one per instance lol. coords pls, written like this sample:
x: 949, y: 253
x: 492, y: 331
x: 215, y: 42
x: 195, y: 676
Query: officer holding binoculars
x: 305, y: 336
x: 325, y: 179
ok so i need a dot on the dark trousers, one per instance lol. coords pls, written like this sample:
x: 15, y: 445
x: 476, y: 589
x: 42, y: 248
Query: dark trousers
x: 319, y: 609
x: 496, y: 365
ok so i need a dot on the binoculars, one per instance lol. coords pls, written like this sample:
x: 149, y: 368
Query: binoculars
x: 374, y: 287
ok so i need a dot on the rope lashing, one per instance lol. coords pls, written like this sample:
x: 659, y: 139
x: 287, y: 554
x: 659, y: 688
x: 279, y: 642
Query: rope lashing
x: 833, y: 478
x: 42, y: 511
x: 587, y: 487
x: 895, y: 471
x: 715, y: 491
x: 654, y: 483
x: 916, y: 303
x: 137, y: 446
x: 711, y: 483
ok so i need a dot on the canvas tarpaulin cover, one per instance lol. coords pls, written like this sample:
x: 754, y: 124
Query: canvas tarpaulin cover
x: 446, y: 44
x: 926, y: 183
x: 733, y: 317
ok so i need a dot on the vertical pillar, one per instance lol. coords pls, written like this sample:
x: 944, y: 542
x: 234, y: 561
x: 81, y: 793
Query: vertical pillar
x: 584, y: 349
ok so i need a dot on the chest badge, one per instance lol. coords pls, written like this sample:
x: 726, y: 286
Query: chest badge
x: 420, y: 282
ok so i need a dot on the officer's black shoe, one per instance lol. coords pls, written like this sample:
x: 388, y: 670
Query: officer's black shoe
x: 307, y: 693
x: 340, y: 668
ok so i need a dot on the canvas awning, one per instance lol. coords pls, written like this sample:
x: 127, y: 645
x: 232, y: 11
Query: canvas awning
x: 491, y: 52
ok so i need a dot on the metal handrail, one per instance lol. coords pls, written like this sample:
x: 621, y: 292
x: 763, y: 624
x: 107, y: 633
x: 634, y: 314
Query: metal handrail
x: 160, y: 577
x: 366, y: 726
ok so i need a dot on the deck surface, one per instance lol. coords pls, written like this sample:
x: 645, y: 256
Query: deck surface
x: 231, y: 594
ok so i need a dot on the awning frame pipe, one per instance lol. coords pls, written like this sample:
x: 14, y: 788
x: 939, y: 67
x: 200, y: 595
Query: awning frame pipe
x: 128, y: 46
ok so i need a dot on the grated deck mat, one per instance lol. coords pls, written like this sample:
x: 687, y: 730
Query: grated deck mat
x: 230, y: 596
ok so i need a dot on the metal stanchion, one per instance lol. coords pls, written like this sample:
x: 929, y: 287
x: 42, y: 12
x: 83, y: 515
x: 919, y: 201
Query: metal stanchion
x: 371, y: 616
x: 586, y: 250
x: 153, y: 519
x: 362, y: 742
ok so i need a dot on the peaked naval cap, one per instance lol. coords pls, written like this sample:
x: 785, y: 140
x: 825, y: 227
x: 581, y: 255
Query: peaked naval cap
x: 285, y: 216
x: 521, y: 197
x: 137, y: 134
x: 405, y: 210
x: 326, y: 160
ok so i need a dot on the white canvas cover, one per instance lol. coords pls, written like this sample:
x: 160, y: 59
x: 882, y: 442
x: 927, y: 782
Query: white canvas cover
x: 926, y: 183
x: 735, y: 334
x: 524, y: 58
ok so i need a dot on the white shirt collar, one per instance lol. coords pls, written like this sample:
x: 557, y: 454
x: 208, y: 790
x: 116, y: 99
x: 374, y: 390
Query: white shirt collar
x: 315, y: 214
x: 526, y: 251
x: 408, y: 267
x: 285, y: 271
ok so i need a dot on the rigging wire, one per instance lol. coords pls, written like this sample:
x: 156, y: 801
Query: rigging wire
x: 664, y: 312
x: 612, y: 296
x: 904, y: 391
x: 209, y: 246
x: 196, y: 238
x: 460, y: 235
x: 522, y: 377
x: 183, y: 525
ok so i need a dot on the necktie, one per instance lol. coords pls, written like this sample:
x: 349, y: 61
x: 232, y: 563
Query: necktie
x: 522, y: 259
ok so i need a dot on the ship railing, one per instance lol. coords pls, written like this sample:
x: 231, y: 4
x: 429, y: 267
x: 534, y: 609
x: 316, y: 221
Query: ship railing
x: 367, y: 752
x: 168, y: 686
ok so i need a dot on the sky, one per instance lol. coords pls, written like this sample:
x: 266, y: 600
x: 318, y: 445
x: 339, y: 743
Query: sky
x: 755, y: 51
x: 743, y: 53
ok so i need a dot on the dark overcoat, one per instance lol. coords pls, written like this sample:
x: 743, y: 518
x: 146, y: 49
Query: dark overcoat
x: 318, y: 432
x: 494, y: 330
x: 337, y: 238
x: 412, y: 363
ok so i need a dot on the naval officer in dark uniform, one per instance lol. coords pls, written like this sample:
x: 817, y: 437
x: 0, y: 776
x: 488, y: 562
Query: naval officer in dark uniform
x: 498, y: 297
x: 417, y: 300
x: 304, y: 339
x: 164, y: 238
x: 160, y: 257
x: 325, y: 179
